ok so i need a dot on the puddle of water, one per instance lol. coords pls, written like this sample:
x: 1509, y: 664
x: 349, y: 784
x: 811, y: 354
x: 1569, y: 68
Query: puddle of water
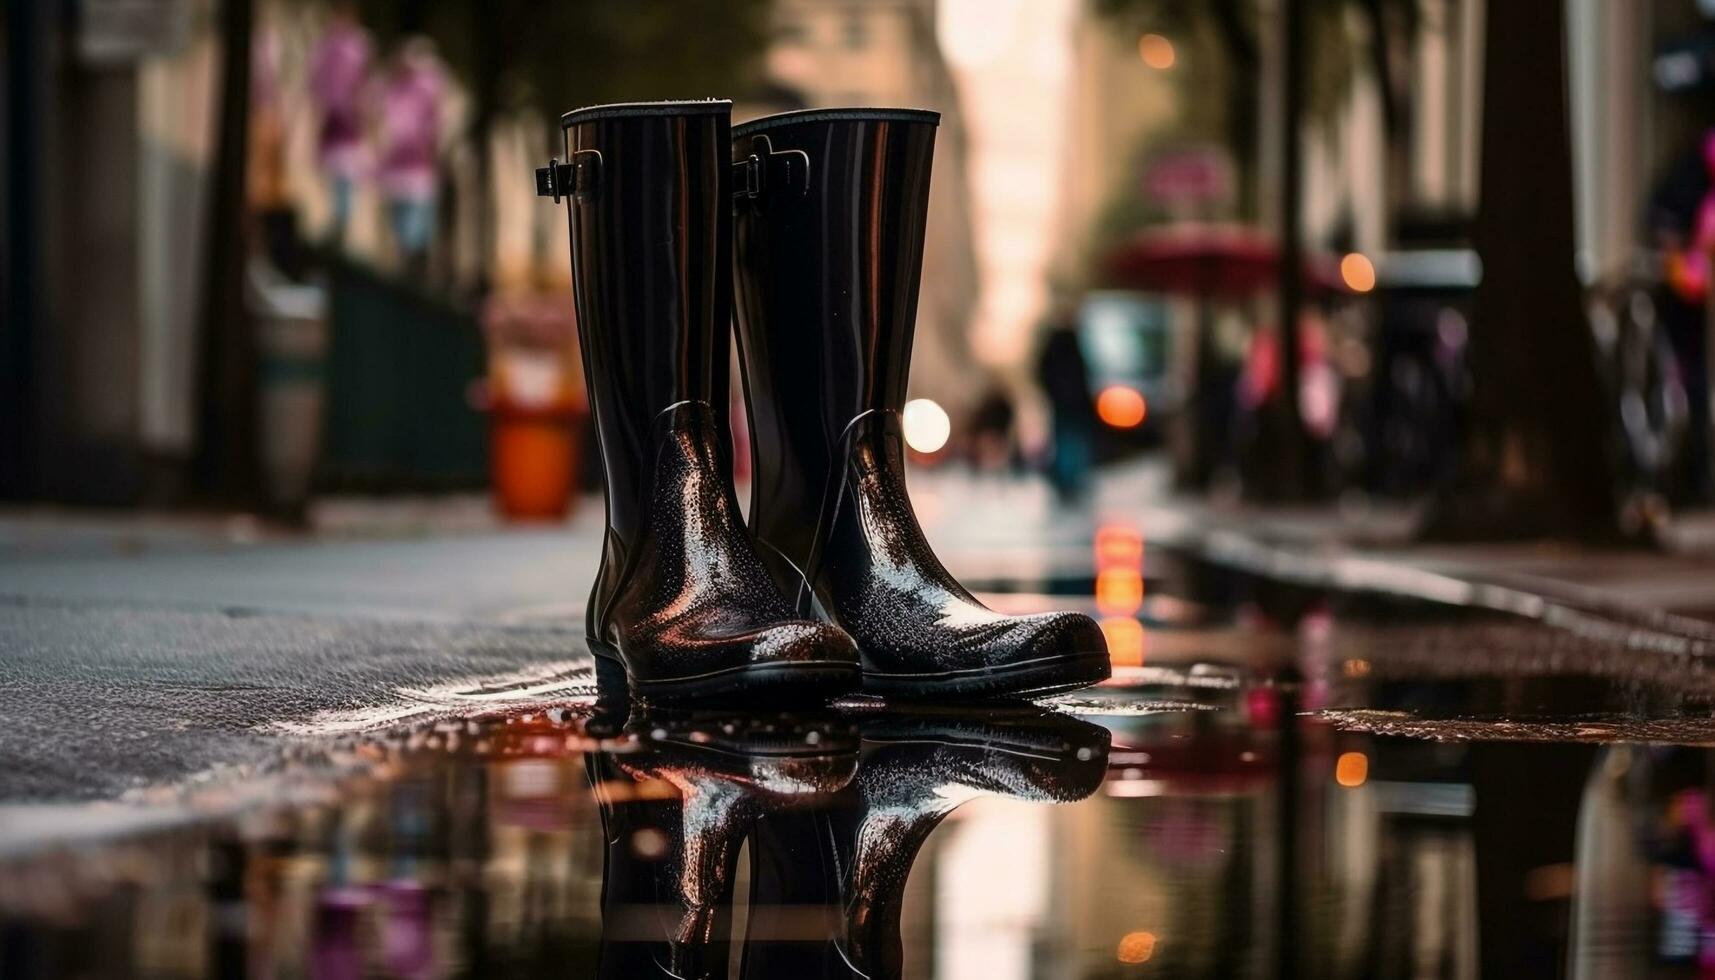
x: 1278, y: 782
x: 1223, y: 839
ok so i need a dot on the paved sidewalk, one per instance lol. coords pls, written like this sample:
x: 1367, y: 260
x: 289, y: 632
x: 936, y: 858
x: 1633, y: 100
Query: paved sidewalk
x: 139, y: 652
x: 1376, y: 549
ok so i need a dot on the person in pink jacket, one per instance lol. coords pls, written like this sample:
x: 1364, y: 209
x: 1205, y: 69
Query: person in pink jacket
x: 339, y: 70
x: 409, y: 135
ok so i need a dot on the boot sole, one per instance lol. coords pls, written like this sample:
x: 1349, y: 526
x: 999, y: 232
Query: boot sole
x: 1029, y: 679
x: 798, y: 683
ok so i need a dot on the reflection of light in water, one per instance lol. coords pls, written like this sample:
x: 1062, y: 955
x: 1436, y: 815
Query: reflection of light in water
x: 1121, y: 407
x: 1119, y: 591
x: 1134, y: 789
x: 1548, y: 883
x: 530, y: 778
x: 628, y: 791
x: 926, y: 425
x: 1358, y: 273
x: 1156, y: 51
x: 988, y: 913
x: 1136, y: 947
x: 1125, y: 641
x: 1351, y: 769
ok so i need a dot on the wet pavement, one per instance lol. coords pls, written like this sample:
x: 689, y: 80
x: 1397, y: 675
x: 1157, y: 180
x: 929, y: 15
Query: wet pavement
x: 1280, y: 781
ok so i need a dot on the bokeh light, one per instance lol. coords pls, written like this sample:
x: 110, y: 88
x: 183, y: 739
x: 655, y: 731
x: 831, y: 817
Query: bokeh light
x: 1352, y: 769
x: 1125, y: 641
x: 1358, y: 272
x: 926, y: 425
x: 1156, y: 51
x: 1119, y: 545
x: 650, y: 844
x: 1136, y: 947
x: 1121, y: 407
x: 1119, y: 591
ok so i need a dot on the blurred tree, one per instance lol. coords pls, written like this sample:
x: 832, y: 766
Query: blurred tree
x: 228, y: 467
x: 1537, y: 462
x: 1224, y: 94
x: 554, y: 57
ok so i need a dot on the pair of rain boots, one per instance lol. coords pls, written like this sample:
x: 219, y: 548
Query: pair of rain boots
x: 815, y: 220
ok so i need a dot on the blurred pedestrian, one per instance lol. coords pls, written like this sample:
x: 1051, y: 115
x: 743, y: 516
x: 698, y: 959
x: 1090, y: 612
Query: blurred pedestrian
x: 339, y: 68
x: 266, y: 183
x: 410, y: 136
x: 1064, y: 377
x: 993, y: 448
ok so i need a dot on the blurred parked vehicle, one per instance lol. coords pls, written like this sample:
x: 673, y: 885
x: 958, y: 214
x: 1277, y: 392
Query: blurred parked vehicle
x: 1128, y: 346
x: 1212, y: 265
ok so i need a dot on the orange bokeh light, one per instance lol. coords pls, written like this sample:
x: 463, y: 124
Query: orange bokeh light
x: 1136, y: 947
x: 1121, y: 407
x: 1119, y: 591
x: 1352, y: 769
x: 1358, y: 272
x: 1156, y: 51
x: 1118, y: 545
x: 1125, y: 641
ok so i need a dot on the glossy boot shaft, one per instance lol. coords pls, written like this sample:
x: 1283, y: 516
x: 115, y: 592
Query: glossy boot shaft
x: 829, y: 237
x: 681, y: 600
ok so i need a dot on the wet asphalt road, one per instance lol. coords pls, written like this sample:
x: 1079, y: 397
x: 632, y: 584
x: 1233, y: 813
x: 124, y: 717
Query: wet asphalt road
x: 130, y: 661
x: 137, y: 667
x: 97, y: 699
x: 120, y: 671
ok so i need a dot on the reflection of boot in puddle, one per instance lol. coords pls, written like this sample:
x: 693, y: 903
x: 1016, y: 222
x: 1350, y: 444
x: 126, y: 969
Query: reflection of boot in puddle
x: 677, y: 799
x: 829, y: 883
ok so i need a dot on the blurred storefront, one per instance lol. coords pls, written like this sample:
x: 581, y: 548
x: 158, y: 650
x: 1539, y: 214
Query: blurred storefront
x: 87, y: 360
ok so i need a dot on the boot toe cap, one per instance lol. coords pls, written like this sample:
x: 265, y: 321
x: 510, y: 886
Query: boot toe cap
x: 1044, y: 637
x: 1062, y: 634
x: 802, y: 642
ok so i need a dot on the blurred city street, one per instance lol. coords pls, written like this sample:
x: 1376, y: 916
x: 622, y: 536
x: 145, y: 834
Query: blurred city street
x: 836, y: 489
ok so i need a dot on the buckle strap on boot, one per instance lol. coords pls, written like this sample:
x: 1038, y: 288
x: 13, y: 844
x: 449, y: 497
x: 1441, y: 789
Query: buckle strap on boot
x: 767, y: 171
x: 572, y: 179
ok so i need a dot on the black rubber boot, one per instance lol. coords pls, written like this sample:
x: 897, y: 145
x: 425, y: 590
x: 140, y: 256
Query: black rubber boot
x: 681, y: 599
x: 829, y: 239
x: 677, y: 801
x: 853, y: 851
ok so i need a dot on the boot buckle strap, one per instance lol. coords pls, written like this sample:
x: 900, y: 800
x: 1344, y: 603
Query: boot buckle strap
x: 575, y: 178
x: 767, y: 171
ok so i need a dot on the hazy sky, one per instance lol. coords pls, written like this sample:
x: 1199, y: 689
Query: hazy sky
x: 1010, y: 58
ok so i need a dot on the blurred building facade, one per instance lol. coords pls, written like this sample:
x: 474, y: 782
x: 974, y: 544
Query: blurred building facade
x: 885, y: 53
x: 110, y: 130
